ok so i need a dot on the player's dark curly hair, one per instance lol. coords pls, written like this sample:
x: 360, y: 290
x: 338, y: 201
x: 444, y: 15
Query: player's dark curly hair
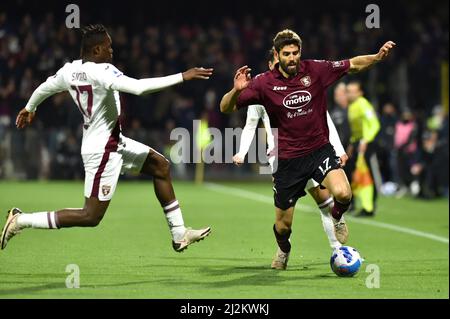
x: 286, y: 37
x: 93, y: 34
x: 271, y: 55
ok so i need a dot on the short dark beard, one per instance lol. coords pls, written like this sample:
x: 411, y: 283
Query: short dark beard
x: 286, y: 70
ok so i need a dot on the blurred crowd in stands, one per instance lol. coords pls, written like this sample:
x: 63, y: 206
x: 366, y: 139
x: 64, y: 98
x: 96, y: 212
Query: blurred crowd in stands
x: 406, y: 89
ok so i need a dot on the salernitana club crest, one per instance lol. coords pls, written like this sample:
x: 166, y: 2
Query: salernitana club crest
x: 306, y: 81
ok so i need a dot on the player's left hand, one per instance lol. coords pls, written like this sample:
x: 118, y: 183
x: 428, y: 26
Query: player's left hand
x: 343, y: 160
x: 238, y: 160
x: 24, y: 118
x: 384, y: 50
x: 197, y: 73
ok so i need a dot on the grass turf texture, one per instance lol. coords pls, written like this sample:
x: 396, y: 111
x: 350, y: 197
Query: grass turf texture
x: 129, y: 255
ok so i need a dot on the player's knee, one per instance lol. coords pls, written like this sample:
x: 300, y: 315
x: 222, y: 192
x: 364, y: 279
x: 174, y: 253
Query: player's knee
x: 343, y: 194
x: 283, y: 227
x: 94, y: 221
x: 163, y: 169
x: 91, y: 219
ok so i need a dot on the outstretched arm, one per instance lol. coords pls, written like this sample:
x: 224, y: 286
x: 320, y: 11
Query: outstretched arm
x: 241, y: 81
x: 145, y: 86
x: 247, y: 135
x: 363, y: 62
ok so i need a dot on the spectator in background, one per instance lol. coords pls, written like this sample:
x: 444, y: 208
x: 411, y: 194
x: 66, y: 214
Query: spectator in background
x: 406, y: 147
x: 32, y: 45
x: 385, y: 142
x: 67, y: 163
x: 339, y: 113
x: 443, y: 154
x: 432, y: 169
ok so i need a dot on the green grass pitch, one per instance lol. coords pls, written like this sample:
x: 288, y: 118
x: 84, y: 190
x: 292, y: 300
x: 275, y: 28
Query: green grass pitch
x: 129, y: 255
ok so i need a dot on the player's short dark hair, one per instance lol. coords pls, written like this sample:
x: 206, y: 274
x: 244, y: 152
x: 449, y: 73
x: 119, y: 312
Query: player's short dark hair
x: 93, y: 34
x: 286, y: 37
x: 271, y: 55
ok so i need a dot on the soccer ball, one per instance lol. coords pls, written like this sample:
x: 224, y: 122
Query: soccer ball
x: 345, y: 261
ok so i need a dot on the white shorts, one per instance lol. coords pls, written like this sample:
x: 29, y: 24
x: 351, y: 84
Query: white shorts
x: 102, y: 170
x: 311, y: 184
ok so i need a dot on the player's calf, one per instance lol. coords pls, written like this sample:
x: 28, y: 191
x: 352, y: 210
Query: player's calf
x: 89, y: 216
x: 342, y: 202
x: 88, y: 219
x: 282, y: 231
x: 336, y: 182
x: 162, y: 170
x: 282, y: 238
x: 156, y: 165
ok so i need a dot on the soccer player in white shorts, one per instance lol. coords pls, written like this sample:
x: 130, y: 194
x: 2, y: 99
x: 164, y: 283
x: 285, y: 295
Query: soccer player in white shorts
x: 321, y: 196
x: 94, y: 84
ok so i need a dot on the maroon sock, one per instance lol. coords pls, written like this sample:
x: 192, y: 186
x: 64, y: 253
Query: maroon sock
x: 339, y: 209
x: 283, y: 240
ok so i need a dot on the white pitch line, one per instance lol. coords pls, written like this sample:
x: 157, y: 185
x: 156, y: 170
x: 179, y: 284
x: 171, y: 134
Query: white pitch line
x: 269, y: 200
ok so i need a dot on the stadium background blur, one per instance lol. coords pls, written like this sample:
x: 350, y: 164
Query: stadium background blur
x: 169, y: 38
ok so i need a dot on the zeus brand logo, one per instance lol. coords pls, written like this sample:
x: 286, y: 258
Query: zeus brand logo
x: 297, y: 100
x: 280, y: 88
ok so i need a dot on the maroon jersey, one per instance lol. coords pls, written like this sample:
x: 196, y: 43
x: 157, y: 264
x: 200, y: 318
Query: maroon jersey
x: 296, y: 105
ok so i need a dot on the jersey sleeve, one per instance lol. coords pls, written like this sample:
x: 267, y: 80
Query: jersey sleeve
x: 250, y: 95
x: 268, y: 127
x: 331, y: 71
x: 107, y: 74
x: 54, y: 84
x: 249, y: 130
x: 114, y: 79
x: 255, y: 111
x: 334, y: 137
x: 370, y: 122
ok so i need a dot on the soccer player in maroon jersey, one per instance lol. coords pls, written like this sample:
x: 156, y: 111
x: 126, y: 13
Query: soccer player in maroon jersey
x: 294, y: 95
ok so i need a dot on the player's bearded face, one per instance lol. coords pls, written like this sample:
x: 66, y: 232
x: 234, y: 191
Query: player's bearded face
x: 289, y: 57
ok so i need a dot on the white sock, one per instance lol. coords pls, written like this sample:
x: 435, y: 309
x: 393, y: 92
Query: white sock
x: 175, y: 220
x: 327, y: 222
x: 44, y: 220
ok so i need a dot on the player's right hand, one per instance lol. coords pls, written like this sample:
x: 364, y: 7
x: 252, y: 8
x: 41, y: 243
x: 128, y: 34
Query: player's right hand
x: 343, y: 160
x: 24, y: 118
x: 238, y: 160
x: 384, y: 50
x: 242, y: 78
x: 197, y: 73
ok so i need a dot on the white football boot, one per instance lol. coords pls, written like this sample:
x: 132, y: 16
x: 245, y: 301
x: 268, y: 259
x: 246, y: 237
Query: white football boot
x: 280, y: 260
x: 190, y: 236
x: 340, y: 230
x: 11, y: 228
